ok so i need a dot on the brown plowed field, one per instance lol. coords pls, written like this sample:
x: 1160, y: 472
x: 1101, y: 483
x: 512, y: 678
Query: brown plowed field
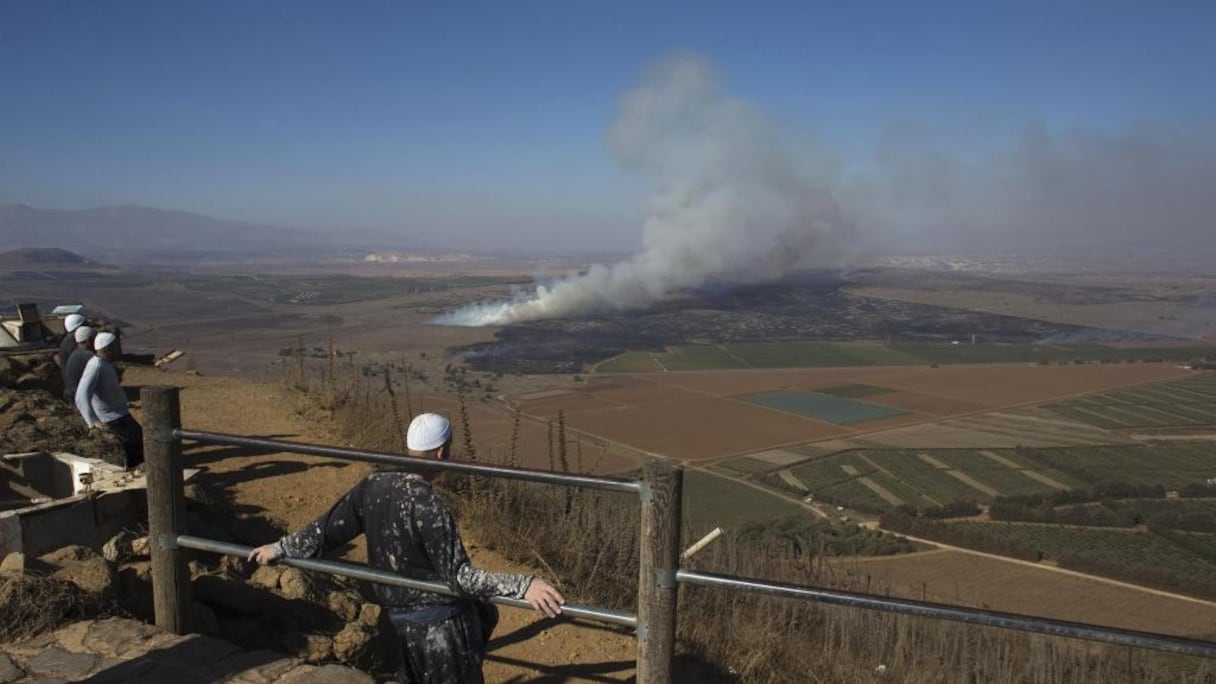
x: 635, y: 390
x: 700, y: 428
x: 955, y: 577
x: 699, y: 414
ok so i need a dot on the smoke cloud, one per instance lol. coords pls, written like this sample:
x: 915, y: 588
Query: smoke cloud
x: 1025, y: 186
x: 728, y: 202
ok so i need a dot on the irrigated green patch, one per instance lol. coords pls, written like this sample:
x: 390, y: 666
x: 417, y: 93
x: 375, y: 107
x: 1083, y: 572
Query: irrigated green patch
x: 825, y: 407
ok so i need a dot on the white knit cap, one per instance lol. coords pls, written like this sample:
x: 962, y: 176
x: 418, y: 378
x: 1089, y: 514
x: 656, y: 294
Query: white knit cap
x: 103, y: 340
x: 83, y: 333
x: 428, y: 431
x: 72, y: 322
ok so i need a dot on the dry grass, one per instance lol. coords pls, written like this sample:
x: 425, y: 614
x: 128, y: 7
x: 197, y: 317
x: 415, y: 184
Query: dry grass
x: 31, y: 604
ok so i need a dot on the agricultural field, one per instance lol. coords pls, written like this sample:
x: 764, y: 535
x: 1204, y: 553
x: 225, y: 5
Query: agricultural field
x: 1133, y: 555
x: 826, y: 407
x: 330, y: 289
x: 711, y: 501
x: 1170, y: 465
x: 1186, y: 403
x: 722, y: 414
x: 840, y: 354
x: 995, y: 584
x: 875, y: 480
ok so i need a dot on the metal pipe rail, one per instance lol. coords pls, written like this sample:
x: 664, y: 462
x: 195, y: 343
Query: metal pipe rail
x: 941, y: 611
x: 363, y: 572
x: 611, y: 484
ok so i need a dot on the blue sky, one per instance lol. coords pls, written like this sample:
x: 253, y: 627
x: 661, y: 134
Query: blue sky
x: 482, y: 124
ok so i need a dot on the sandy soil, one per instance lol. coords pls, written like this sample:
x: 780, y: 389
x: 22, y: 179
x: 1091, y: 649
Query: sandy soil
x: 293, y: 489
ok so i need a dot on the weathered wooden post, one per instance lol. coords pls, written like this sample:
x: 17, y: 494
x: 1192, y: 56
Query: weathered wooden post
x: 166, y: 508
x: 658, y: 561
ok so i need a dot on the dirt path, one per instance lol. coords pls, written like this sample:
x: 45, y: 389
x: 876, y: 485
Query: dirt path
x: 294, y: 489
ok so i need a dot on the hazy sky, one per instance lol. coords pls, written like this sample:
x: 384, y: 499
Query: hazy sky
x: 483, y: 124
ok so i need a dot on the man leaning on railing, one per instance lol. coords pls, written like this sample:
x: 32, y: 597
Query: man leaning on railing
x: 410, y: 531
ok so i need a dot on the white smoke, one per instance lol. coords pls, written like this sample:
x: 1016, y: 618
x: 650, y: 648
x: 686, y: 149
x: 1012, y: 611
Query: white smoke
x: 729, y: 203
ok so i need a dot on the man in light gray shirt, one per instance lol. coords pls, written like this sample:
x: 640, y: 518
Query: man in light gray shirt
x: 103, y: 403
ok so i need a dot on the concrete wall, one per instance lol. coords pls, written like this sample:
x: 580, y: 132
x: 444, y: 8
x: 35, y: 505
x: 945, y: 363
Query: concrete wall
x: 85, y: 519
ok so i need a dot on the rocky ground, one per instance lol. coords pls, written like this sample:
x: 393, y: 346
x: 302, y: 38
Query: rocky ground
x: 249, y: 498
x: 34, y: 417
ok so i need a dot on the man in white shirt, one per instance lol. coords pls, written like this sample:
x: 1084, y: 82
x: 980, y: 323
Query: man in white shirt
x: 103, y: 403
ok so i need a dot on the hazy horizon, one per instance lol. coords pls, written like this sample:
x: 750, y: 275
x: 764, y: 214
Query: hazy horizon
x: 950, y: 129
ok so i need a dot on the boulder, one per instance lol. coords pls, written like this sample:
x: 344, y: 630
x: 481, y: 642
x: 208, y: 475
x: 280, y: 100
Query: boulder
x: 267, y: 576
x: 13, y: 562
x: 311, y: 648
x: 118, y: 548
x: 66, y: 555
x: 344, y: 605
x: 369, y: 615
x: 356, y: 646
x: 296, y: 584
x: 93, y: 576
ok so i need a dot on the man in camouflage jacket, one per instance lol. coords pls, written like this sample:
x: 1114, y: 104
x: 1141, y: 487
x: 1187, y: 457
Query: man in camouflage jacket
x: 410, y: 531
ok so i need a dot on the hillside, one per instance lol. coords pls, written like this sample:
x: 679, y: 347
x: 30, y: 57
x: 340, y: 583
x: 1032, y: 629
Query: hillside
x: 122, y: 233
x: 44, y: 257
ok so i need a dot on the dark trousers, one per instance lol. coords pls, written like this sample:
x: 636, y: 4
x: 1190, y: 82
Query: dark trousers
x: 131, y: 435
x: 445, y: 651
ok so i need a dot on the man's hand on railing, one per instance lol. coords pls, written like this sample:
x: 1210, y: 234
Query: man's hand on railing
x: 264, y: 555
x: 544, y: 597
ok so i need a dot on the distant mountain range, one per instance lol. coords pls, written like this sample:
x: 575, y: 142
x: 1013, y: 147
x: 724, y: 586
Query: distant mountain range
x: 124, y: 233
x: 44, y: 257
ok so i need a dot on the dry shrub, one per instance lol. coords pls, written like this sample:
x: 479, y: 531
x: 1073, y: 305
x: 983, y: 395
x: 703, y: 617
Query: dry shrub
x: 31, y: 604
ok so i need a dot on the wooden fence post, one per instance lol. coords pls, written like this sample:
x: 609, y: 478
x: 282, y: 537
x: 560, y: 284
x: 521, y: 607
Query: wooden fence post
x: 658, y: 561
x: 166, y: 508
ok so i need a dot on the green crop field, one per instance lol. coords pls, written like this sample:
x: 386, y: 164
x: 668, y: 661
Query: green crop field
x: 836, y: 354
x: 917, y: 482
x: 924, y: 478
x: 700, y: 357
x: 744, y: 465
x: 1183, y: 403
x: 630, y: 362
x: 1134, y: 555
x: 1008, y: 481
x: 825, y: 407
x: 1171, y: 465
x: 711, y: 501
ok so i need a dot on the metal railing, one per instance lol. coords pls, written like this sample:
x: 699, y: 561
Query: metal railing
x: 659, y: 575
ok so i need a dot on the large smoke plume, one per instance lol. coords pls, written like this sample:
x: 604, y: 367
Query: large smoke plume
x: 728, y: 202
